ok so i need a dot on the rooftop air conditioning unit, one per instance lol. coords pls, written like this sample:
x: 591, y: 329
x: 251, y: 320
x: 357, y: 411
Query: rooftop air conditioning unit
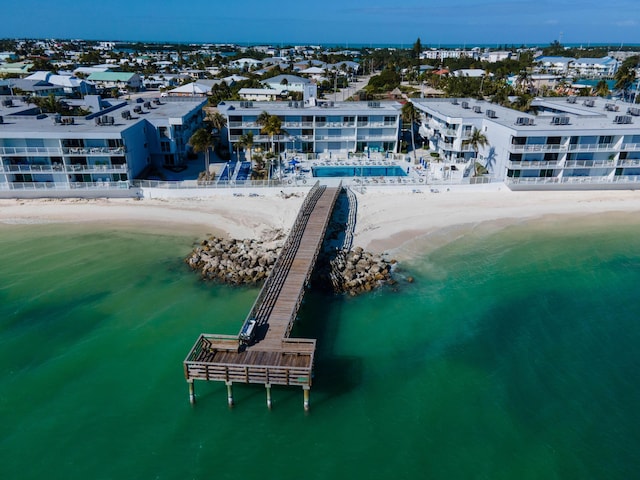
x: 291, y: 104
x: 7, y: 103
x: 455, y: 102
x: 1, y: 119
x: 623, y: 119
x: 560, y: 120
x: 589, y: 102
x: 571, y: 99
x: 611, y: 107
x: 477, y: 109
x: 491, y: 114
x: 147, y: 105
x: 331, y: 104
x: 635, y: 111
x: 465, y: 105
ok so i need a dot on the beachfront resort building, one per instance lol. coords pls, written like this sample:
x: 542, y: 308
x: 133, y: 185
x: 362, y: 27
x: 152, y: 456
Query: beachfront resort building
x: 569, y: 143
x: 106, y: 149
x: 319, y: 126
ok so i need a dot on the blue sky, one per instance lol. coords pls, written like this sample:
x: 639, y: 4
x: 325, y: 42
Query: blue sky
x: 346, y: 22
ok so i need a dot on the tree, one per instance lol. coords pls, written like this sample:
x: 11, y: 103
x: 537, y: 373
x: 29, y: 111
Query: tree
x: 202, y: 141
x: 524, y: 82
x: 602, y: 89
x: 246, y: 141
x: 417, y: 50
x: 217, y: 122
x: 625, y: 76
x: 270, y: 125
x: 475, y: 141
x: 409, y: 115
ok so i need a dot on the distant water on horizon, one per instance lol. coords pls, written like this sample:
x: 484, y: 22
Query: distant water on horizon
x: 514, y: 354
x: 408, y: 45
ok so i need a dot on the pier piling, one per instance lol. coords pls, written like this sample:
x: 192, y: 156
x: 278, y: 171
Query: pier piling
x: 229, y: 393
x: 268, y: 387
x: 305, y: 390
x: 192, y: 393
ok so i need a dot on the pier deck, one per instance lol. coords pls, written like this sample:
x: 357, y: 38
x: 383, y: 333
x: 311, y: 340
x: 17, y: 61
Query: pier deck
x: 272, y: 358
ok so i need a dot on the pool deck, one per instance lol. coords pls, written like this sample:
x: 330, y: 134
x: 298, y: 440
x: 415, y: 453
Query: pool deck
x: 423, y: 172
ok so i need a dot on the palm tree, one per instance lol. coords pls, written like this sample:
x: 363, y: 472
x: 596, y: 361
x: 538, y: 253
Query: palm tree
x: 246, y: 141
x: 475, y: 141
x: 625, y: 76
x: 202, y: 141
x: 409, y: 115
x: 272, y: 127
x: 524, y: 82
x: 602, y: 89
x: 217, y: 122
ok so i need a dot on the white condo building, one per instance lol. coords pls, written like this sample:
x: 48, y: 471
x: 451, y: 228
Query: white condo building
x: 104, y: 150
x: 570, y: 143
x: 322, y: 126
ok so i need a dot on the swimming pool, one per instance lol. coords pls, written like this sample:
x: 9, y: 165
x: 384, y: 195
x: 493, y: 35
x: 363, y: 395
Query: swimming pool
x: 356, y: 171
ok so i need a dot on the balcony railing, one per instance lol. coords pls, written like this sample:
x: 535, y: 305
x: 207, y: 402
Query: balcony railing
x: 30, y: 151
x: 538, y: 148
x: 589, y: 163
x: 65, y: 186
x: 592, y: 147
x: 84, y: 151
x: 533, y: 164
x: 63, y: 168
x: 630, y: 146
x: 629, y: 162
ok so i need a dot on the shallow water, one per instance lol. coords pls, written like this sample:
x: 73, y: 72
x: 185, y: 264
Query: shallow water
x: 513, y: 355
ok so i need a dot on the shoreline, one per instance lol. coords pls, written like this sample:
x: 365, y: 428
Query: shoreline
x: 403, y: 224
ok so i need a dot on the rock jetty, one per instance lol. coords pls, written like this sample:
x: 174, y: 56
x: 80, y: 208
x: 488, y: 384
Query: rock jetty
x: 356, y: 271
x: 249, y: 262
x: 237, y: 262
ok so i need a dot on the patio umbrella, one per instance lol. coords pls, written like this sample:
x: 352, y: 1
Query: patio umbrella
x: 293, y: 161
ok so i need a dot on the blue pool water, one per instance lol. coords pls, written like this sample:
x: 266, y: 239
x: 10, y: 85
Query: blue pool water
x: 369, y: 171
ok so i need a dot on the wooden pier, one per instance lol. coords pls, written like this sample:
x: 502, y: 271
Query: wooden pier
x: 271, y: 357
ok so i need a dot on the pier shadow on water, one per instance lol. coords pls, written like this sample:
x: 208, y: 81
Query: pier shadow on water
x: 319, y: 318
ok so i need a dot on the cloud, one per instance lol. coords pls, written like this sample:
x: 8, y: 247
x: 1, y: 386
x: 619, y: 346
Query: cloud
x: 626, y: 23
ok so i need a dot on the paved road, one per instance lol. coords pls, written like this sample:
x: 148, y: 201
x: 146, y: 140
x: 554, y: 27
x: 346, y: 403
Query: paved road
x: 345, y: 93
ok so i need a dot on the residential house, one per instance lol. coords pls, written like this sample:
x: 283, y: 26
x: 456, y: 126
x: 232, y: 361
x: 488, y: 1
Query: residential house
x: 120, y: 80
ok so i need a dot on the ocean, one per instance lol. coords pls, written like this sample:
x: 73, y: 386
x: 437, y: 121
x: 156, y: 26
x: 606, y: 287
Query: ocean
x: 513, y: 354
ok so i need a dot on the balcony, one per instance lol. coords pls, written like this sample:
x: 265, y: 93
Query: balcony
x: 629, y: 162
x: 630, y: 146
x: 592, y: 147
x: 538, y: 148
x: 533, y: 164
x: 63, y: 168
x: 88, y: 151
x: 30, y: 151
x: 589, y: 163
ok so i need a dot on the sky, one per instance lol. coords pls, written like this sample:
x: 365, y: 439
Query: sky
x: 342, y: 22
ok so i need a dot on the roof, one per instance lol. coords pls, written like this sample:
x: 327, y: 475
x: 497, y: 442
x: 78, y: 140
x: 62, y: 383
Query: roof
x: 278, y: 79
x: 258, y: 91
x: 111, y: 76
x: 194, y: 88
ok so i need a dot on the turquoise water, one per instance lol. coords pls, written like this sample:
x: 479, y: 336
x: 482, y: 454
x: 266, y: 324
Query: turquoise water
x: 370, y: 171
x: 513, y: 355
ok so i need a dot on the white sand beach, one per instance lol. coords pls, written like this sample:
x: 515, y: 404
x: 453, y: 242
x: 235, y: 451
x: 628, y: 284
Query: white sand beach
x: 387, y: 220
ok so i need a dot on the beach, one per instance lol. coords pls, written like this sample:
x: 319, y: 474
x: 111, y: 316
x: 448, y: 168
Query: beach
x: 387, y: 220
